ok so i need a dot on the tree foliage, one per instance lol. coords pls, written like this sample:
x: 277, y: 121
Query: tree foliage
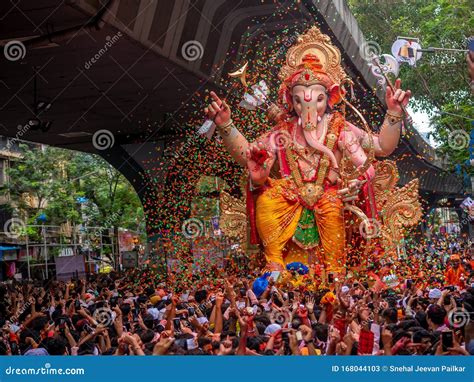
x: 72, y: 186
x: 440, y: 81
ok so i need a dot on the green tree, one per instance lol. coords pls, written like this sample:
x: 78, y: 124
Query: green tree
x: 112, y: 200
x: 440, y: 81
x: 53, y: 180
x: 36, y: 185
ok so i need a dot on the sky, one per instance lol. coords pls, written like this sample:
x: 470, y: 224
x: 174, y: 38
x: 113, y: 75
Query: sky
x: 421, y: 121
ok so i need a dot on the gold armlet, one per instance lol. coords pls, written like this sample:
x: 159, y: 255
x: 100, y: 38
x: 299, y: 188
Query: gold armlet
x: 226, y: 128
x: 393, y: 118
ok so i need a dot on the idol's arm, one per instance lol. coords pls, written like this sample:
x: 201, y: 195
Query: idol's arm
x: 396, y: 100
x: 235, y: 143
x: 384, y: 143
x: 387, y: 140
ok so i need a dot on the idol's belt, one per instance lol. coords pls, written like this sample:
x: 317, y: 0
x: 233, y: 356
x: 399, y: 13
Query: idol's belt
x: 310, y: 193
x: 307, y: 195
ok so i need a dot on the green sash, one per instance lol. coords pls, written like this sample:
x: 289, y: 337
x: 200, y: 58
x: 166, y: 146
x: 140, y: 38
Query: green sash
x: 306, y: 234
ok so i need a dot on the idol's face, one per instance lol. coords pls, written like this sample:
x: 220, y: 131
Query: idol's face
x: 309, y: 102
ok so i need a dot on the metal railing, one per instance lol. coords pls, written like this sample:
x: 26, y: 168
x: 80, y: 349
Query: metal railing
x: 53, y: 240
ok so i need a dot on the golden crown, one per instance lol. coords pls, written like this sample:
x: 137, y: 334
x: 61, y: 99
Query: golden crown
x: 307, y: 77
x: 313, y: 42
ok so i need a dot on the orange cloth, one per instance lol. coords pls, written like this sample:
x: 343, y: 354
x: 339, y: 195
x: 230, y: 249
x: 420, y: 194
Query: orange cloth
x: 328, y: 298
x: 453, y: 277
x: 277, y: 214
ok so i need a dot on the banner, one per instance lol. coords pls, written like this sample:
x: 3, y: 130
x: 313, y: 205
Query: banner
x: 237, y: 368
x: 70, y: 266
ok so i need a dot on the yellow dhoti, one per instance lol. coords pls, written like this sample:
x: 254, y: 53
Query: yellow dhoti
x: 278, y: 211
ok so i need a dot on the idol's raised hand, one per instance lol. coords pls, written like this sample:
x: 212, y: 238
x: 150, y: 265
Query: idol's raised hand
x: 218, y: 111
x: 397, y: 97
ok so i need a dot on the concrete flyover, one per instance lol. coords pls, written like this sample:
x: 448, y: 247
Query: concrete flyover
x: 118, y: 65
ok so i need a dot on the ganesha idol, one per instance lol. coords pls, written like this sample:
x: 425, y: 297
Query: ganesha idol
x: 313, y: 166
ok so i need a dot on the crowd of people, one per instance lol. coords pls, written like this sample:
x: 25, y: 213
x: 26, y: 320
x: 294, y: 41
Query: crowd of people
x: 426, y: 312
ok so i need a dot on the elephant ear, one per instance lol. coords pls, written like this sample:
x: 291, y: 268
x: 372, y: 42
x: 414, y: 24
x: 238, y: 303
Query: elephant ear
x: 335, y: 95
